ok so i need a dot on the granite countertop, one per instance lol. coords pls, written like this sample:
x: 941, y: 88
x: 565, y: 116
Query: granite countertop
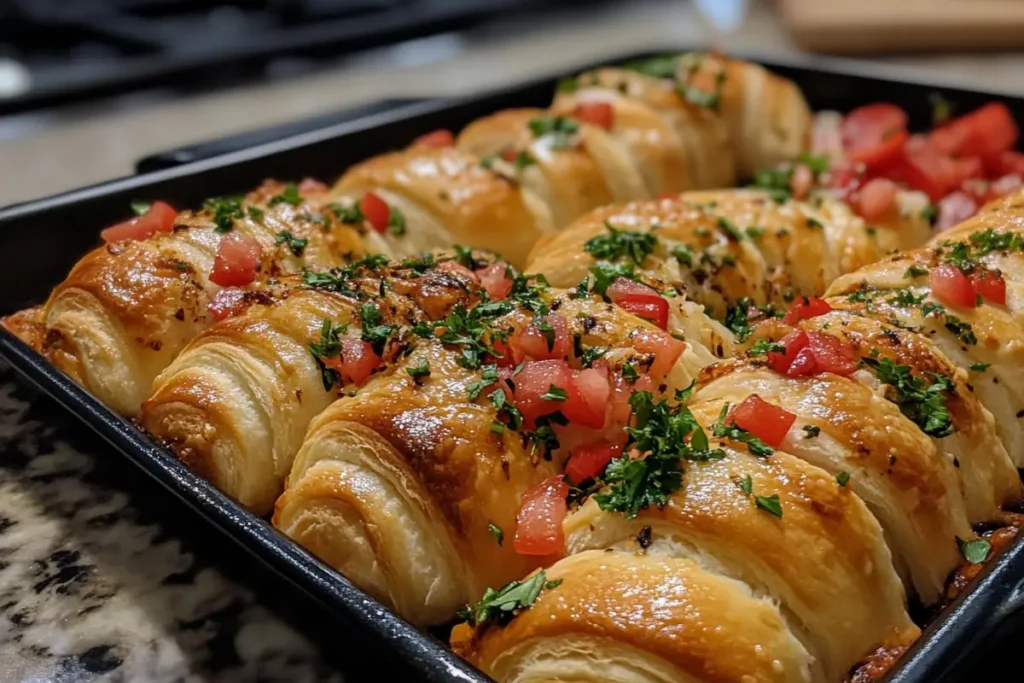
x: 105, y: 577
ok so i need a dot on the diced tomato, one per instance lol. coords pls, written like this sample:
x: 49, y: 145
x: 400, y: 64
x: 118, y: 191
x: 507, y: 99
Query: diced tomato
x: 984, y: 132
x: 586, y: 462
x: 509, y: 154
x: 843, y: 178
x: 811, y: 353
x: 952, y: 287
x: 766, y: 421
x: 806, y: 307
x: 237, y: 259
x: 358, y: 360
x: 376, y: 211
x: 534, y: 381
x: 227, y: 303
x: 876, y: 199
x: 539, y: 522
x: 800, y: 181
x: 874, y: 134
x: 442, y: 137
x: 587, y: 401
x: 1007, y: 163
x: 665, y: 348
x: 794, y: 342
x: 598, y: 113
x: 530, y: 342
x: 648, y: 306
x: 504, y: 357
x: 495, y: 280
x: 990, y: 285
x: 158, y: 218
x: 457, y: 268
x: 954, y: 209
x: 623, y: 286
x: 623, y: 389
x: 831, y: 354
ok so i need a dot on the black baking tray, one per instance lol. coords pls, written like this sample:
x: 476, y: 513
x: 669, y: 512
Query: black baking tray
x: 40, y: 241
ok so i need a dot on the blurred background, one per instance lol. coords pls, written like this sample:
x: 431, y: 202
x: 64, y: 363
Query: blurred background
x: 88, y: 87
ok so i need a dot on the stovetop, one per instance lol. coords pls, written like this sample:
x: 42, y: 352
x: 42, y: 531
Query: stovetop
x: 54, y: 52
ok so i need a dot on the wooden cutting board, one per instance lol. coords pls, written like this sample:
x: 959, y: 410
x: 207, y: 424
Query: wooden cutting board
x: 904, y: 25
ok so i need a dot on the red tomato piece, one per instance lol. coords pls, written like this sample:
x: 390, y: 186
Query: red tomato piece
x: 539, y: 522
x: 952, y: 287
x: 358, y: 360
x: 1007, y: 163
x: 442, y: 137
x: 237, y: 259
x: 587, y: 401
x: 806, y: 307
x: 873, y: 133
x: 535, y: 380
x: 503, y: 356
x: 926, y: 169
x: 954, y: 209
x: 990, y: 285
x: 598, y: 113
x: 800, y: 181
x: 794, y: 342
x: 376, y: 211
x: 665, y: 348
x: 648, y: 306
x: 984, y: 132
x: 495, y: 280
x: 586, y: 462
x: 766, y: 421
x: 805, y: 364
x: 831, y: 354
x: 530, y: 342
x: 876, y: 198
x: 623, y: 286
x: 158, y: 218
x: 623, y: 389
x: 457, y: 268
x: 227, y: 303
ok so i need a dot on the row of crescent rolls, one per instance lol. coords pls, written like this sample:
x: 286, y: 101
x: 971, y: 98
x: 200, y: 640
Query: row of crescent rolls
x: 127, y: 308
x: 872, y: 497
x: 408, y: 488
x: 235, y: 404
x: 518, y: 175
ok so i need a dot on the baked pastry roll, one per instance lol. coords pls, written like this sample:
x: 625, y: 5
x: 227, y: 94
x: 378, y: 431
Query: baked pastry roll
x: 437, y: 197
x: 434, y: 466
x: 235, y: 404
x: 127, y: 308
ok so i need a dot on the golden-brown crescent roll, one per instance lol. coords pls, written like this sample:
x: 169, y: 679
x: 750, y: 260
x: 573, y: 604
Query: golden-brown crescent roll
x: 614, y: 616
x: 446, y: 197
x: 127, y: 308
x: 411, y: 467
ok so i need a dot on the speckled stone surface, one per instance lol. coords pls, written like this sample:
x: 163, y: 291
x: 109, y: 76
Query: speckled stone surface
x: 96, y: 584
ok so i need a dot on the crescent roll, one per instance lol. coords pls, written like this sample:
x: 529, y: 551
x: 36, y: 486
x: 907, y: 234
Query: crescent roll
x: 127, y: 308
x: 235, y: 404
x: 413, y: 466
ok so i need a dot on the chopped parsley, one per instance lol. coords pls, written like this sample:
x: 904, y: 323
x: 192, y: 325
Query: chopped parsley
x: 568, y: 85
x: 728, y: 430
x: 420, y: 370
x: 528, y: 292
x: 843, y: 478
x: 508, y: 415
x: 770, y: 504
x: 746, y: 484
x: 629, y: 372
x: 295, y: 244
x: 986, y: 241
x: 338, y: 279
x: 349, y: 215
x: 140, y: 208
x: 606, y: 273
x: 289, y: 196
x: 774, y: 182
x: 471, y: 330
x: 664, y: 66
x: 862, y: 295
x: 980, y: 367
x: 420, y: 265
x: 554, y: 394
x: 683, y: 254
x: 920, y: 401
x: 905, y: 297
x: 974, y: 551
x: 396, y: 223
x: 496, y: 531
x: 255, y: 214
x: 328, y: 346
x: 488, y: 376
x: 914, y: 272
x: 500, y: 606
x: 621, y: 244
x: 561, y: 128
x: 737, y: 318
x: 375, y: 332
x: 659, y: 433
x: 225, y: 211
x: 811, y: 431
x: 762, y: 346
x: 591, y: 354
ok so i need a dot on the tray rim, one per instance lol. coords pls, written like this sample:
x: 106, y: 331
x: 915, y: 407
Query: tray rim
x: 976, y: 613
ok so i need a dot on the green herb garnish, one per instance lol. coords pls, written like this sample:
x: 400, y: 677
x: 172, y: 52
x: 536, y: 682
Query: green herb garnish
x: 295, y: 244
x: 621, y: 244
